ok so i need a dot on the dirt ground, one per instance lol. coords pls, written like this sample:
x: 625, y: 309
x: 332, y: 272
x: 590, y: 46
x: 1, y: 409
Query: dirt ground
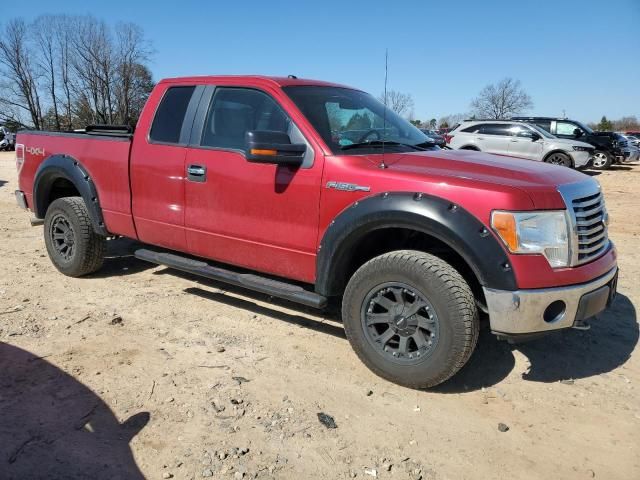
x: 142, y: 372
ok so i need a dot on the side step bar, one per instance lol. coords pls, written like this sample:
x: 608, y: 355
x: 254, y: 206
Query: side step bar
x: 250, y: 281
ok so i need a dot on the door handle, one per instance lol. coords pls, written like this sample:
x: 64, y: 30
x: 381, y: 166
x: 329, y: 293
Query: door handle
x: 480, y: 138
x: 197, y: 173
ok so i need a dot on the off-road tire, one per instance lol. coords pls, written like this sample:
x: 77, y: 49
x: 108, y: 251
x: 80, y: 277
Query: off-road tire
x: 89, y: 247
x: 445, y: 290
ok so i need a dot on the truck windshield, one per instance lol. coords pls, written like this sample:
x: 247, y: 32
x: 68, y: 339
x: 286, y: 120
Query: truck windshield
x: 352, y: 120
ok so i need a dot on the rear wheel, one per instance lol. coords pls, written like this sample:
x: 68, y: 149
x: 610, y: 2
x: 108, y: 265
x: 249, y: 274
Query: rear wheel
x: 411, y: 318
x: 74, y: 248
x: 559, y: 158
x: 601, y: 160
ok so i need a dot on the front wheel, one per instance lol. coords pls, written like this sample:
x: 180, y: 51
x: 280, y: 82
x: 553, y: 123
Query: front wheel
x: 559, y: 158
x: 601, y: 160
x: 411, y: 318
x: 73, y: 246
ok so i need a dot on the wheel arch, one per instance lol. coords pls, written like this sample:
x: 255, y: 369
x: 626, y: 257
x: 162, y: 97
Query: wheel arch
x: 61, y: 176
x: 470, y: 146
x: 391, y: 221
x: 559, y: 150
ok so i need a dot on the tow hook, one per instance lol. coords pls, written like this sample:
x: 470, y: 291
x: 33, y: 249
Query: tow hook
x: 581, y: 325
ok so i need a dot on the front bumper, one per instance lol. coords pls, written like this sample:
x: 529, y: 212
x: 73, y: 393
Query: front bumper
x: 21, y: 198
x: 581, y: 159
x: 542, y: 310
x: 628, y: 156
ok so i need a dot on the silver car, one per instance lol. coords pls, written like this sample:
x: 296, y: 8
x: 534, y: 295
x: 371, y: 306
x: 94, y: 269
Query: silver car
x: 522, y: 140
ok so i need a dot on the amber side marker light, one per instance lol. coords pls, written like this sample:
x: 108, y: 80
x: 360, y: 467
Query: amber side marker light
x: 259, y: 151
x: 504, y: 223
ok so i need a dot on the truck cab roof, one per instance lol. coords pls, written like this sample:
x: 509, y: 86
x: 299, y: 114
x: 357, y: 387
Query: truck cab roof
x: 274, y: 81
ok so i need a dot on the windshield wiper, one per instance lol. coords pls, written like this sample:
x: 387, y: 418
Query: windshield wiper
x: 380, y: 144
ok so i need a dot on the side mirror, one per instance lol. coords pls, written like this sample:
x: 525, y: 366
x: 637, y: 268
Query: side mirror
x: 535, y: 136
x: 266, y: 146
x: 577, y: 132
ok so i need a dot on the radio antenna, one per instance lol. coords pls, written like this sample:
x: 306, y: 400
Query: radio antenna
x: 384, y: 113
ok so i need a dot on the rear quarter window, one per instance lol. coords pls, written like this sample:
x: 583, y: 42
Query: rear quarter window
x: 170, y: 114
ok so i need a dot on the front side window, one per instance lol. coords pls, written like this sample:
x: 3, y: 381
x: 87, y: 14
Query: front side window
x: 235, y: 111
x: 167, y: 123
x: 352, y: 120
x: 568, y: 129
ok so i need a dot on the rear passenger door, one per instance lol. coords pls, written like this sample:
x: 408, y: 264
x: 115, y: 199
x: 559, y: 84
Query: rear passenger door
x: 494, y: 138
x: 157, y: 167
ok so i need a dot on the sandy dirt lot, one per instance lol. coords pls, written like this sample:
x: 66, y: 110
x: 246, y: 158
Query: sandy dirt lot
x: 142, y: 372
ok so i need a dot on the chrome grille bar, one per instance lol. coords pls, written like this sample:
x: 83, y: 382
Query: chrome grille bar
x: 588, y: 217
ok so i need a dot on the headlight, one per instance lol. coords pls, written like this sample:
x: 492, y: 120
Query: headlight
x: 581, y: 149
x: 535, y: 233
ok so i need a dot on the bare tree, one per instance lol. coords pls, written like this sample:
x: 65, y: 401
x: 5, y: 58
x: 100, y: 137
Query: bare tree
x: 401, y: 103
x: 64, y: 71
x: 501, y: 100
x: 133, y: 78
x: 19, y: 77
x: 44, y: 30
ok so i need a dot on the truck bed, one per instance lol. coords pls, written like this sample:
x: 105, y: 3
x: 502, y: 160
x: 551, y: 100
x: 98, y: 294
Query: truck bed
x: 105, y: 156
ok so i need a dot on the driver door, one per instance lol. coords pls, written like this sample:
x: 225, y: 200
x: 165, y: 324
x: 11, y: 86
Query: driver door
x: 260, y: 216
x: 523, y: 145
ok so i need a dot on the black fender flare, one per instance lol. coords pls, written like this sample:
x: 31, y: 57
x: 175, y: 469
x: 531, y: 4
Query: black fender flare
x: 434, y: 216
x: 64, y: 166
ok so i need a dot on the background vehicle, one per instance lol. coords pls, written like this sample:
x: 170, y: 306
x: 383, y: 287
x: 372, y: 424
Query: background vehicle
x: 517, y: 139
x: 609, y: 147
x: 247, y: 171
x: 7, y: 139
x: 435, y: 136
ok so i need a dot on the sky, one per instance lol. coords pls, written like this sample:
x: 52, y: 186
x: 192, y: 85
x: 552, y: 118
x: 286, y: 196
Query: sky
x: 577, y: 57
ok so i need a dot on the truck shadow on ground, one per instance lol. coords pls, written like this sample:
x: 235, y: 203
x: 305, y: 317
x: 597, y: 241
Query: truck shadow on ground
x: 119, y: 259
x: 53, y: 426
x: 564, y: 355
x: 568, y: 354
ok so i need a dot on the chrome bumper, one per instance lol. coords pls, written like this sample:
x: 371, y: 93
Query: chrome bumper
x: 542, y: 310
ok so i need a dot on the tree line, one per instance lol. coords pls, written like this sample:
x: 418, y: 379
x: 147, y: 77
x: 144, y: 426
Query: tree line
x: 62, y: 72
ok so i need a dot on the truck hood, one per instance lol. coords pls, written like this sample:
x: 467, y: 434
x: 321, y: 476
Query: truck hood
x: 537, y: 179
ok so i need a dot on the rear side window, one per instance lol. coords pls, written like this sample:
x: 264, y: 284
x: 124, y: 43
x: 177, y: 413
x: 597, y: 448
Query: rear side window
x: 495, y: 129
x: 471, y: 129
x: 170, y: 115
x: 544, y: 124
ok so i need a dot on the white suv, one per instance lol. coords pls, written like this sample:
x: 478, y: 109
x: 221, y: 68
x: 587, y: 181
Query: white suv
x: 518, y: 139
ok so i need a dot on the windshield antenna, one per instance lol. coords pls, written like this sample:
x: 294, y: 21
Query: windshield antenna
x: 384, y: 113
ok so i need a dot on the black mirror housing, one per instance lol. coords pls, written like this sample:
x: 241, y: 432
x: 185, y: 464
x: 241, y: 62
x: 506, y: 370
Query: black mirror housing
x: 266, y: 146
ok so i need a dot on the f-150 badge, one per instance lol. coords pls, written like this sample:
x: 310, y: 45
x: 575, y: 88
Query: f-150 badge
x: 347, y: 187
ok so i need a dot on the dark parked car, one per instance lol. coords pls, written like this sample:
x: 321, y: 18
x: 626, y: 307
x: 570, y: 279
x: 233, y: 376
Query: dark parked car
x: 437, y: 138
x: 610, y: 147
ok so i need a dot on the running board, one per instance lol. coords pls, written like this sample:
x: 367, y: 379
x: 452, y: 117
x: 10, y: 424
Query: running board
x: 249, y: 281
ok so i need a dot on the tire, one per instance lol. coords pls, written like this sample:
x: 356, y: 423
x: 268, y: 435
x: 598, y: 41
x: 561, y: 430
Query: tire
x: 559, y: 158
x: 74, y: 248
x: 601, y: 160
x: 440, y: 337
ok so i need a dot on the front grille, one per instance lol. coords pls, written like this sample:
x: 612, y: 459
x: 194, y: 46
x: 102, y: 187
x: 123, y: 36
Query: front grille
x: 590, y: 227
x: 622, y: 143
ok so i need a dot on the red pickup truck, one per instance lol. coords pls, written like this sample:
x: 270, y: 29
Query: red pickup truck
x: 308, y: 190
